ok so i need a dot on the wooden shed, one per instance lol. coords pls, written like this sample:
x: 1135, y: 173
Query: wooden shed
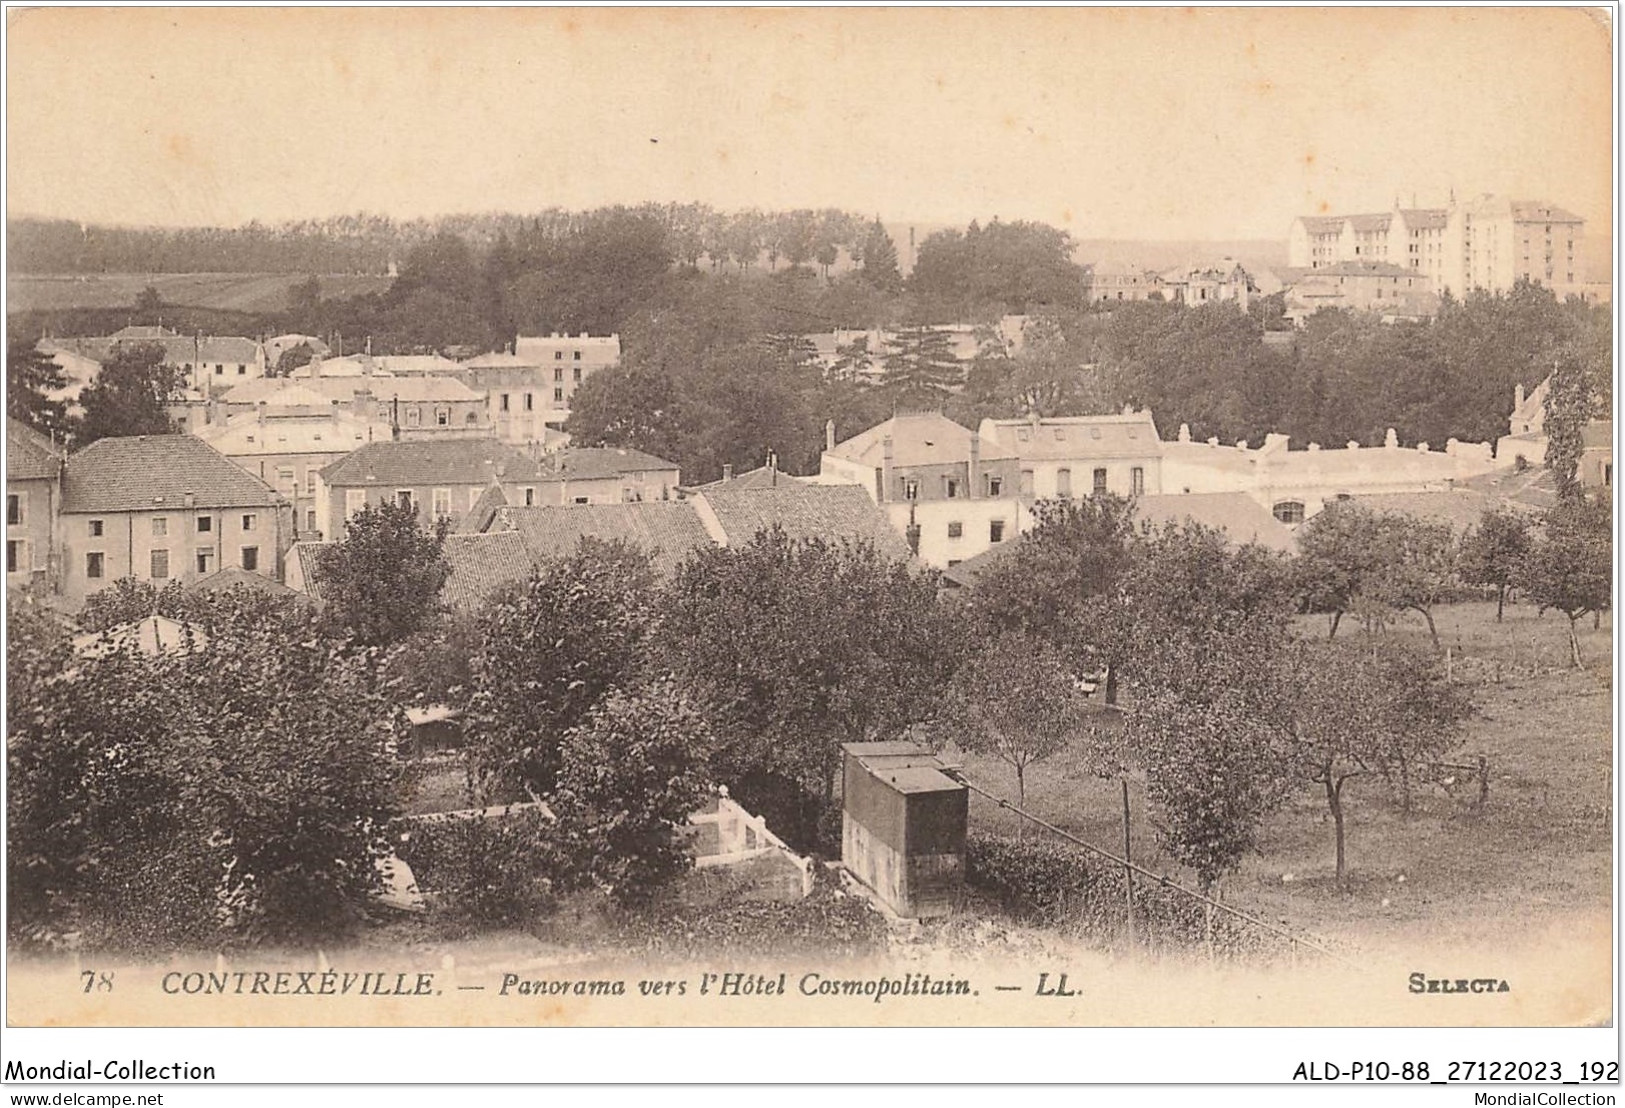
x: 903, y: 826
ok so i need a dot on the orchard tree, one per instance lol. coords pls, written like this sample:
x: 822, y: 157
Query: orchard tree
x: 1569, y: 564
x: 382, y: 582
x: 1353, y: 712
x: 630, y: 775
x: 1015, y: 700
x: 1339, y: 551
x: 1492, y: 553
x: 548, y: 651
x: 1417, y: 567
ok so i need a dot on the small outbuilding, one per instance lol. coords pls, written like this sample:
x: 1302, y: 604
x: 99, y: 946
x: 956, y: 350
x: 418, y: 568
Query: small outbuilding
x: 903, y: 825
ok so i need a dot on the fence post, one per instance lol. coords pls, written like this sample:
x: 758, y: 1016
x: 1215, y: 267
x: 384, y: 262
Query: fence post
x: 1128, y: 869
x: 1483, y: 780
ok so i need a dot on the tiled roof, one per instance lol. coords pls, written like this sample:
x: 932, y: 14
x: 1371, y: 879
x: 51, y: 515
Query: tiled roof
x: 432, y: 461
x: 828, y: 512
x: 667, y: 529
x: 1132, y: 433
x: 232, y: 577
x: 1321, y: 224
x: 590, y: 463
x: 178, y: 349
x: 971, y: 570
x: 29, y: 454
x: 481, y: 564
x: 275, y: 390
x: 762, y: 477
x: 1363, y: 268
x: 923, y: 439
x: 329, y: 433
x: 483, y: 510
x: 1238, y: 515
x: 1425, y: 219
x: 1460, y: 508
x: 1534, y: 488
x: 143, y: 331
x: 157, y: 471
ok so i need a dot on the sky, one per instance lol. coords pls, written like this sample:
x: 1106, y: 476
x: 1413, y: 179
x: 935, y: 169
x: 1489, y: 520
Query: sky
x: 1143, y: 123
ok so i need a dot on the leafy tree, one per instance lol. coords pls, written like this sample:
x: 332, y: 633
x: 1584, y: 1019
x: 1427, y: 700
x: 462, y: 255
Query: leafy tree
x: 549, y: 650
x: 1492, y: 553
x: 630, y: 775
x: 1417, y: 568
x: 1352, y: 712
x: 1337, y: 553
x: 1568, y: 408
x: 1015, y: 700
x: 1004, y: 267
x: 295, y: 357
x: 628, y: 406
x: 305, y: 303
x: 795, y: 647
x: 30, y: 379
x: 1569, y: 564
x: 130, y: 396
x: 920, y: 368
x: 382, y: 582
x: 149, y: 305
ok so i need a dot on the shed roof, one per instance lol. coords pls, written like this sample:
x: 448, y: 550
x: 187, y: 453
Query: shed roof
x: 904, y: 766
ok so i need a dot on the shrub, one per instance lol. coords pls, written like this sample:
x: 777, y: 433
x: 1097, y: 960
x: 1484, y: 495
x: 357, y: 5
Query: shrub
x: 501, y: 871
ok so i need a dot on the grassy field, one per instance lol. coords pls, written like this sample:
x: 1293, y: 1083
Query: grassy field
x: 237, y: 292
x: 1538, y: 853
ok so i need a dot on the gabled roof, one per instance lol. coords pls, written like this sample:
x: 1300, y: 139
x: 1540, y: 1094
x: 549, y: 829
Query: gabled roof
x: 481, y: 564
x: 921, y: 439
x: 326, y: 433
x: 232, y: 577
x: 276, y: 390
x: 1131, y: 433
x: 1533, y: 211
x: 1375, y: 221
x: 828, y: 512
x: 1322, y: 224
x: 150, y: 472
x: 589, y: 463
x: 666, y: 529
x: 143, y: 331
x: 968, y: 572
x: 483, y: 510
x: 416, y: 462
x: 1239, y: 516
x: 1362, y: 268
x: 30, y: 456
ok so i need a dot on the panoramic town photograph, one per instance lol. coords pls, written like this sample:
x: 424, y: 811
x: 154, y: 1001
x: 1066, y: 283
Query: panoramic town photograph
x: 694, y: 517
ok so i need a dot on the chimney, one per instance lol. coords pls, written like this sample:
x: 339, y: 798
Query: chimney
x: 829, y: 434
x: 975, y: 465
x: 727, y: 471
x: 261, y: 408
x: 1517, y: 397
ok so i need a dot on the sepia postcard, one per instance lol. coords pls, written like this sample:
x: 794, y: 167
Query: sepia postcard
x: 813, y: 518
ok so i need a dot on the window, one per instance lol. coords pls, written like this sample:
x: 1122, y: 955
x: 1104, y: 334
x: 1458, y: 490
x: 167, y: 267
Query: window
x: 442, y: 503
x: 205, y: 524
x: 1100, y: 482
x: 576, y: 375
x: 952, y: 562
x: 1136, y: 481
x: 952, y: 488
x: 205, y: 561
x: 1026, y: 482
x: 558, y: 396
x: 581, y: 500
x: 241, y: 370
x: 995, y: 485
x: 1063, y: 482
x: 1023, y: 435
x: 403, y: 497
x: 310, y: 482
x: 576, y: 355
x: 558, y: 373
x: 956, y: 529
x: 94, y: 564
x: 160, y: 526
x: 250, y: 558
x: 442, y: 417
x: 995, y: 531
x: 558, y: 355
x: 911, y: 489
x: 160, y: 564
x: 14, y: 509
x: 95, y: 528
x: 249, y: 521
x: 219, y: 370
x: 310, y: 519
x: 14, y: 555
x: 530, y: 497
x: 530, y: 402
x: 504, y: 404
x: 1288, y: 511
x: 354, y: 501
x: 413, y: 417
